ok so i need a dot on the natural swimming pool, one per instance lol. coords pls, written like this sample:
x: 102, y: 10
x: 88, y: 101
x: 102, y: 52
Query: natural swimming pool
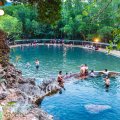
x: 71, y: 104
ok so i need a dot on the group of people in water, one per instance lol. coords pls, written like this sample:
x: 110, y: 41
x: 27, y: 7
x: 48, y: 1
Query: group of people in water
x: 91, y: 47
x: 84, y: 74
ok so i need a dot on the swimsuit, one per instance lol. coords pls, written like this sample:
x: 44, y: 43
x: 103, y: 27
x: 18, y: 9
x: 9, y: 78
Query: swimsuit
x: 107, y: 85
x: 59, y: 79
x: 37, y: 66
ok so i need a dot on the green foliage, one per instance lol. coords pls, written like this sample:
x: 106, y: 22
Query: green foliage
x: 49, y: 11
x: 1, y: 115
x: 71, y: 19
x: 85, y: 13
x: 10, y: 104
x: 11, y: 25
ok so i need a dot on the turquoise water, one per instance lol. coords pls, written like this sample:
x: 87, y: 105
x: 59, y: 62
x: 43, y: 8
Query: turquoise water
x: 70, y: 105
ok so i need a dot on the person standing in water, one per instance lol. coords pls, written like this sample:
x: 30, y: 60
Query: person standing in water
x: 37, y: 63
x: 107, y: 82
x: 60, y: 80
x: 106, y: 72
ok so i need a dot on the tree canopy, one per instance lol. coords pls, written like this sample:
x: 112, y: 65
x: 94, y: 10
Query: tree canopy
x: 71, y: 19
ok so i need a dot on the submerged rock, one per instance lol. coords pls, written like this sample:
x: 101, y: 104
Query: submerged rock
x: 93, y: 108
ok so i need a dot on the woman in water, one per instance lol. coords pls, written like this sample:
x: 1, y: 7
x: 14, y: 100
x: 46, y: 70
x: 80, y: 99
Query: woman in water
x: 37, y: 63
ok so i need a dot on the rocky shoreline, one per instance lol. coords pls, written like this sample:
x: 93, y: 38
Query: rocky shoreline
x: 19, y: 97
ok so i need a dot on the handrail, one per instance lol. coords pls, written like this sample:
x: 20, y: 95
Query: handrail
x: 76, y: 42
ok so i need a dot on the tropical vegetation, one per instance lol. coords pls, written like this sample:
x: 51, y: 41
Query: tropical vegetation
x: 68, y: 19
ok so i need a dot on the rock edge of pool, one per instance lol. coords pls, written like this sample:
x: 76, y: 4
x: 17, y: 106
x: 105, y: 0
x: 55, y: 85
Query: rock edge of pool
x: 21, y: 96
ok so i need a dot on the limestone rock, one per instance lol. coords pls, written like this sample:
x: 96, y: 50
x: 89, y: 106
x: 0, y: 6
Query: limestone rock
x: 26, y: 95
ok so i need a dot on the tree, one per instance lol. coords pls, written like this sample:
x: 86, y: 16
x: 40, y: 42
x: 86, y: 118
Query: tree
x: 49, y: 11
x: 11, y: 25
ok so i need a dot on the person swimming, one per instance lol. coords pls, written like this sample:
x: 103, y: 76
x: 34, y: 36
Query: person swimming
x: 37, y: 63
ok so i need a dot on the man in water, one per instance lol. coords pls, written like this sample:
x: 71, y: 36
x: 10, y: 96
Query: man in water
x: 60, y: 80
x: 37, y: 63
x: 106, y: 72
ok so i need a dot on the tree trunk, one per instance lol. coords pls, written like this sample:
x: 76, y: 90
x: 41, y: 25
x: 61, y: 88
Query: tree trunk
x: 83, y: 36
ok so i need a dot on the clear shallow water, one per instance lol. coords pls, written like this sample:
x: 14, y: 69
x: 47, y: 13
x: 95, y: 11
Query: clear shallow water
x: 70, y: 104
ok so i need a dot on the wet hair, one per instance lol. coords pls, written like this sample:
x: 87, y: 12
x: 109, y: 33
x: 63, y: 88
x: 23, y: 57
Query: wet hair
x: 60, y: 72
x: 106, y: 70
x: 92, y: 70
x: 85, y: 64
